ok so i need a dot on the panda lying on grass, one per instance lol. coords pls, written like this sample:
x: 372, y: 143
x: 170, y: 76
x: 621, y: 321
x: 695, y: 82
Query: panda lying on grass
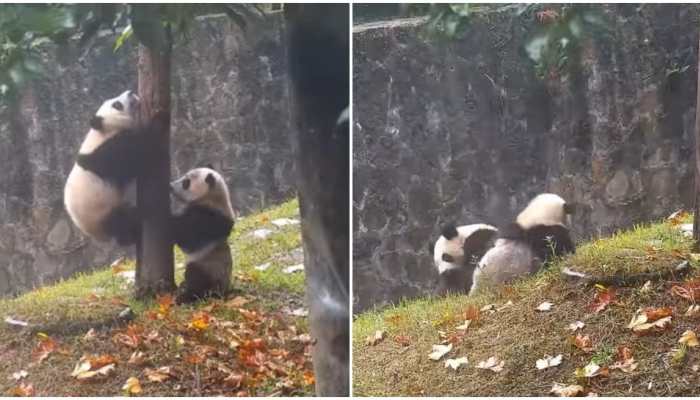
x: 538, y: 234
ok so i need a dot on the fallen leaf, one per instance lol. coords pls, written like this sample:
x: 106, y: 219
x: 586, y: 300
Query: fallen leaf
x: 503, y: 307
x: 464, y: 326
x: 90, y: 335
x: 293, y: 268
x: 165, y: 303
x: 488, y: 307
x: 455, y: 363
x: 234, y: 380
x: 646, y: 287
x: 566, y: 391
x: 200, y: 321
x: 137, y: 358
x: 84, y: 370
x: 591, y: 370
x: 309, y: 378
x: 545, y: 306
x: 158, y: 375
x: 118, y: 265
x: 403, y: 340
x: 263, y: 267
x: 376, y: 338
x: 132, y: 386
x: 689, y: 339
x: 16, y: 322
x: 677, y: 217
x: 602, y: 299
x: 688, y: 290
x: 493, y: 363
x: 584, y: 343
x: 625, y: 361
x: 693, y: 310
x: 650, y: 320
x: 548, y: 361
x: 574, y: 326
x: 44, y: 348
x: 439, y: 350
x: 20, y: 375
x: 237, y: 302
x: 23, y: 390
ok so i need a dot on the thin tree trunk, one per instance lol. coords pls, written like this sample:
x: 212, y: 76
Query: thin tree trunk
x: 154, y: 268
x: 696, y: 218
x: 318, y: 54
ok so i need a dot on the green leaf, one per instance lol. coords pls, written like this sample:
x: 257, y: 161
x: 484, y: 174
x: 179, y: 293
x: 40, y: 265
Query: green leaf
x: 123, y: 37
x: 462, y: 10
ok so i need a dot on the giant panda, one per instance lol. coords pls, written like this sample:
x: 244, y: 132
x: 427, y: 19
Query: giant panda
x: 109, y: 159
x: 456, y: 252
x: 201, y: 230
x: 538, y: 234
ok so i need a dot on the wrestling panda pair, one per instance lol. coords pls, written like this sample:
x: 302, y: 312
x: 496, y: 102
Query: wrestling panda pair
x: 110, y: 159
x: 473, y: 256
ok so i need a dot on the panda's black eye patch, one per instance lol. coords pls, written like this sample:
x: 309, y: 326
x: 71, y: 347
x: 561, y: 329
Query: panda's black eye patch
x: 186, y: 184
x: 118, y: 105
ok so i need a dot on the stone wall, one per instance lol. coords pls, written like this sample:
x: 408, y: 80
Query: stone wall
x: 230, y: 108
x: 463, y: 130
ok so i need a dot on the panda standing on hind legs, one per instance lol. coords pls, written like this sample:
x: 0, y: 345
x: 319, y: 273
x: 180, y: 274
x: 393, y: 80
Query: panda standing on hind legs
x: 112, y: 155
x: 202, y: 230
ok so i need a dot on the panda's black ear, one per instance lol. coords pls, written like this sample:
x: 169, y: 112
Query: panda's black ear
x: 447, y: 258
x: 210, y: 180
x: 211, y: 167
x: 96, y: 123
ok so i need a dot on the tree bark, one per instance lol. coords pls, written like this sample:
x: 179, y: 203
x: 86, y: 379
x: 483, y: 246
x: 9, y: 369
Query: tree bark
x: 696, y: 217
x: 154, y: 268
x: 318, y: 55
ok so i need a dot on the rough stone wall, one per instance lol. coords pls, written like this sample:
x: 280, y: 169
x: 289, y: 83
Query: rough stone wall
x: 230, y: 108
x: 463, y: 130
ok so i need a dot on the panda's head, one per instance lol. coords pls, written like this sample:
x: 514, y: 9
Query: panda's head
x: 205, y: 187
x: 453, y: 248
x: 545, y: 209
x: 116, y: 114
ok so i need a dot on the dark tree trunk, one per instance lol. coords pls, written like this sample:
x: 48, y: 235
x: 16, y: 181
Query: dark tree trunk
x: 154, y: 268
x: 696, y: 217
x: 318, y: 54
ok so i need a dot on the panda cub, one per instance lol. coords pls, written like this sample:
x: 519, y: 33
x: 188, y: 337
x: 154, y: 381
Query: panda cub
x: 456, y: 253
x: 202, y: 230
x: 110, y: 158
x: 538, y: 234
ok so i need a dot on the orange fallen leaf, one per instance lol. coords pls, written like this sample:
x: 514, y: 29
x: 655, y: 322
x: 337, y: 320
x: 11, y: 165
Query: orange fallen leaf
x: 44, y: 348
x: 602, y: 299
x: 165, y: 303
x: 625, y: 361
x: 688, y: 290
x: 23, y: 390
x: 200, y: 321
x: 654, y: 314
x: 309, y: 378
x: 158, y: 375
x: 403, y: 340
x: 584, y: 343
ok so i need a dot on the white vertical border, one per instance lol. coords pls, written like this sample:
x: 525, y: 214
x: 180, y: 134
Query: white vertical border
x: 351, y: 123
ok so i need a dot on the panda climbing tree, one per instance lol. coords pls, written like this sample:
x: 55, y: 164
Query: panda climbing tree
x: 319, y: 69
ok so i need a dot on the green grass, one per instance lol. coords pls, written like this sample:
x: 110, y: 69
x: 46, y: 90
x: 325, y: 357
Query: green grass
x: 519, y: 335
x: 93, y: 300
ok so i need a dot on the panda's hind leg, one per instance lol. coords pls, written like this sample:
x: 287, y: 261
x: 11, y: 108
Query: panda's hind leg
x: 198, y: 284
x: 124, y: 225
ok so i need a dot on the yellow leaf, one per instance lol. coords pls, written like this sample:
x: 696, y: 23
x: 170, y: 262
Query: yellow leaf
x: 132, y: 386
x: 689, y: 338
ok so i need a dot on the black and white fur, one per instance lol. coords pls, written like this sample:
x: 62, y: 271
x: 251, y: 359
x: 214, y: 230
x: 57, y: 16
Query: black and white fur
x: 538, y: 234
x: 110, y: 158
x: 202, y: 231
x: 456, y: 253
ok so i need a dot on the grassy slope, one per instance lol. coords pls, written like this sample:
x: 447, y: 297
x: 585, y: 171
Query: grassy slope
x: 67, y: 310
x: 519, y: 335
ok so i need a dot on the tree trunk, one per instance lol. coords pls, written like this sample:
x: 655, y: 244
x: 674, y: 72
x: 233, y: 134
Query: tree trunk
x: 696, y: 217
x: 318, y: 54
x: 154, y: 268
